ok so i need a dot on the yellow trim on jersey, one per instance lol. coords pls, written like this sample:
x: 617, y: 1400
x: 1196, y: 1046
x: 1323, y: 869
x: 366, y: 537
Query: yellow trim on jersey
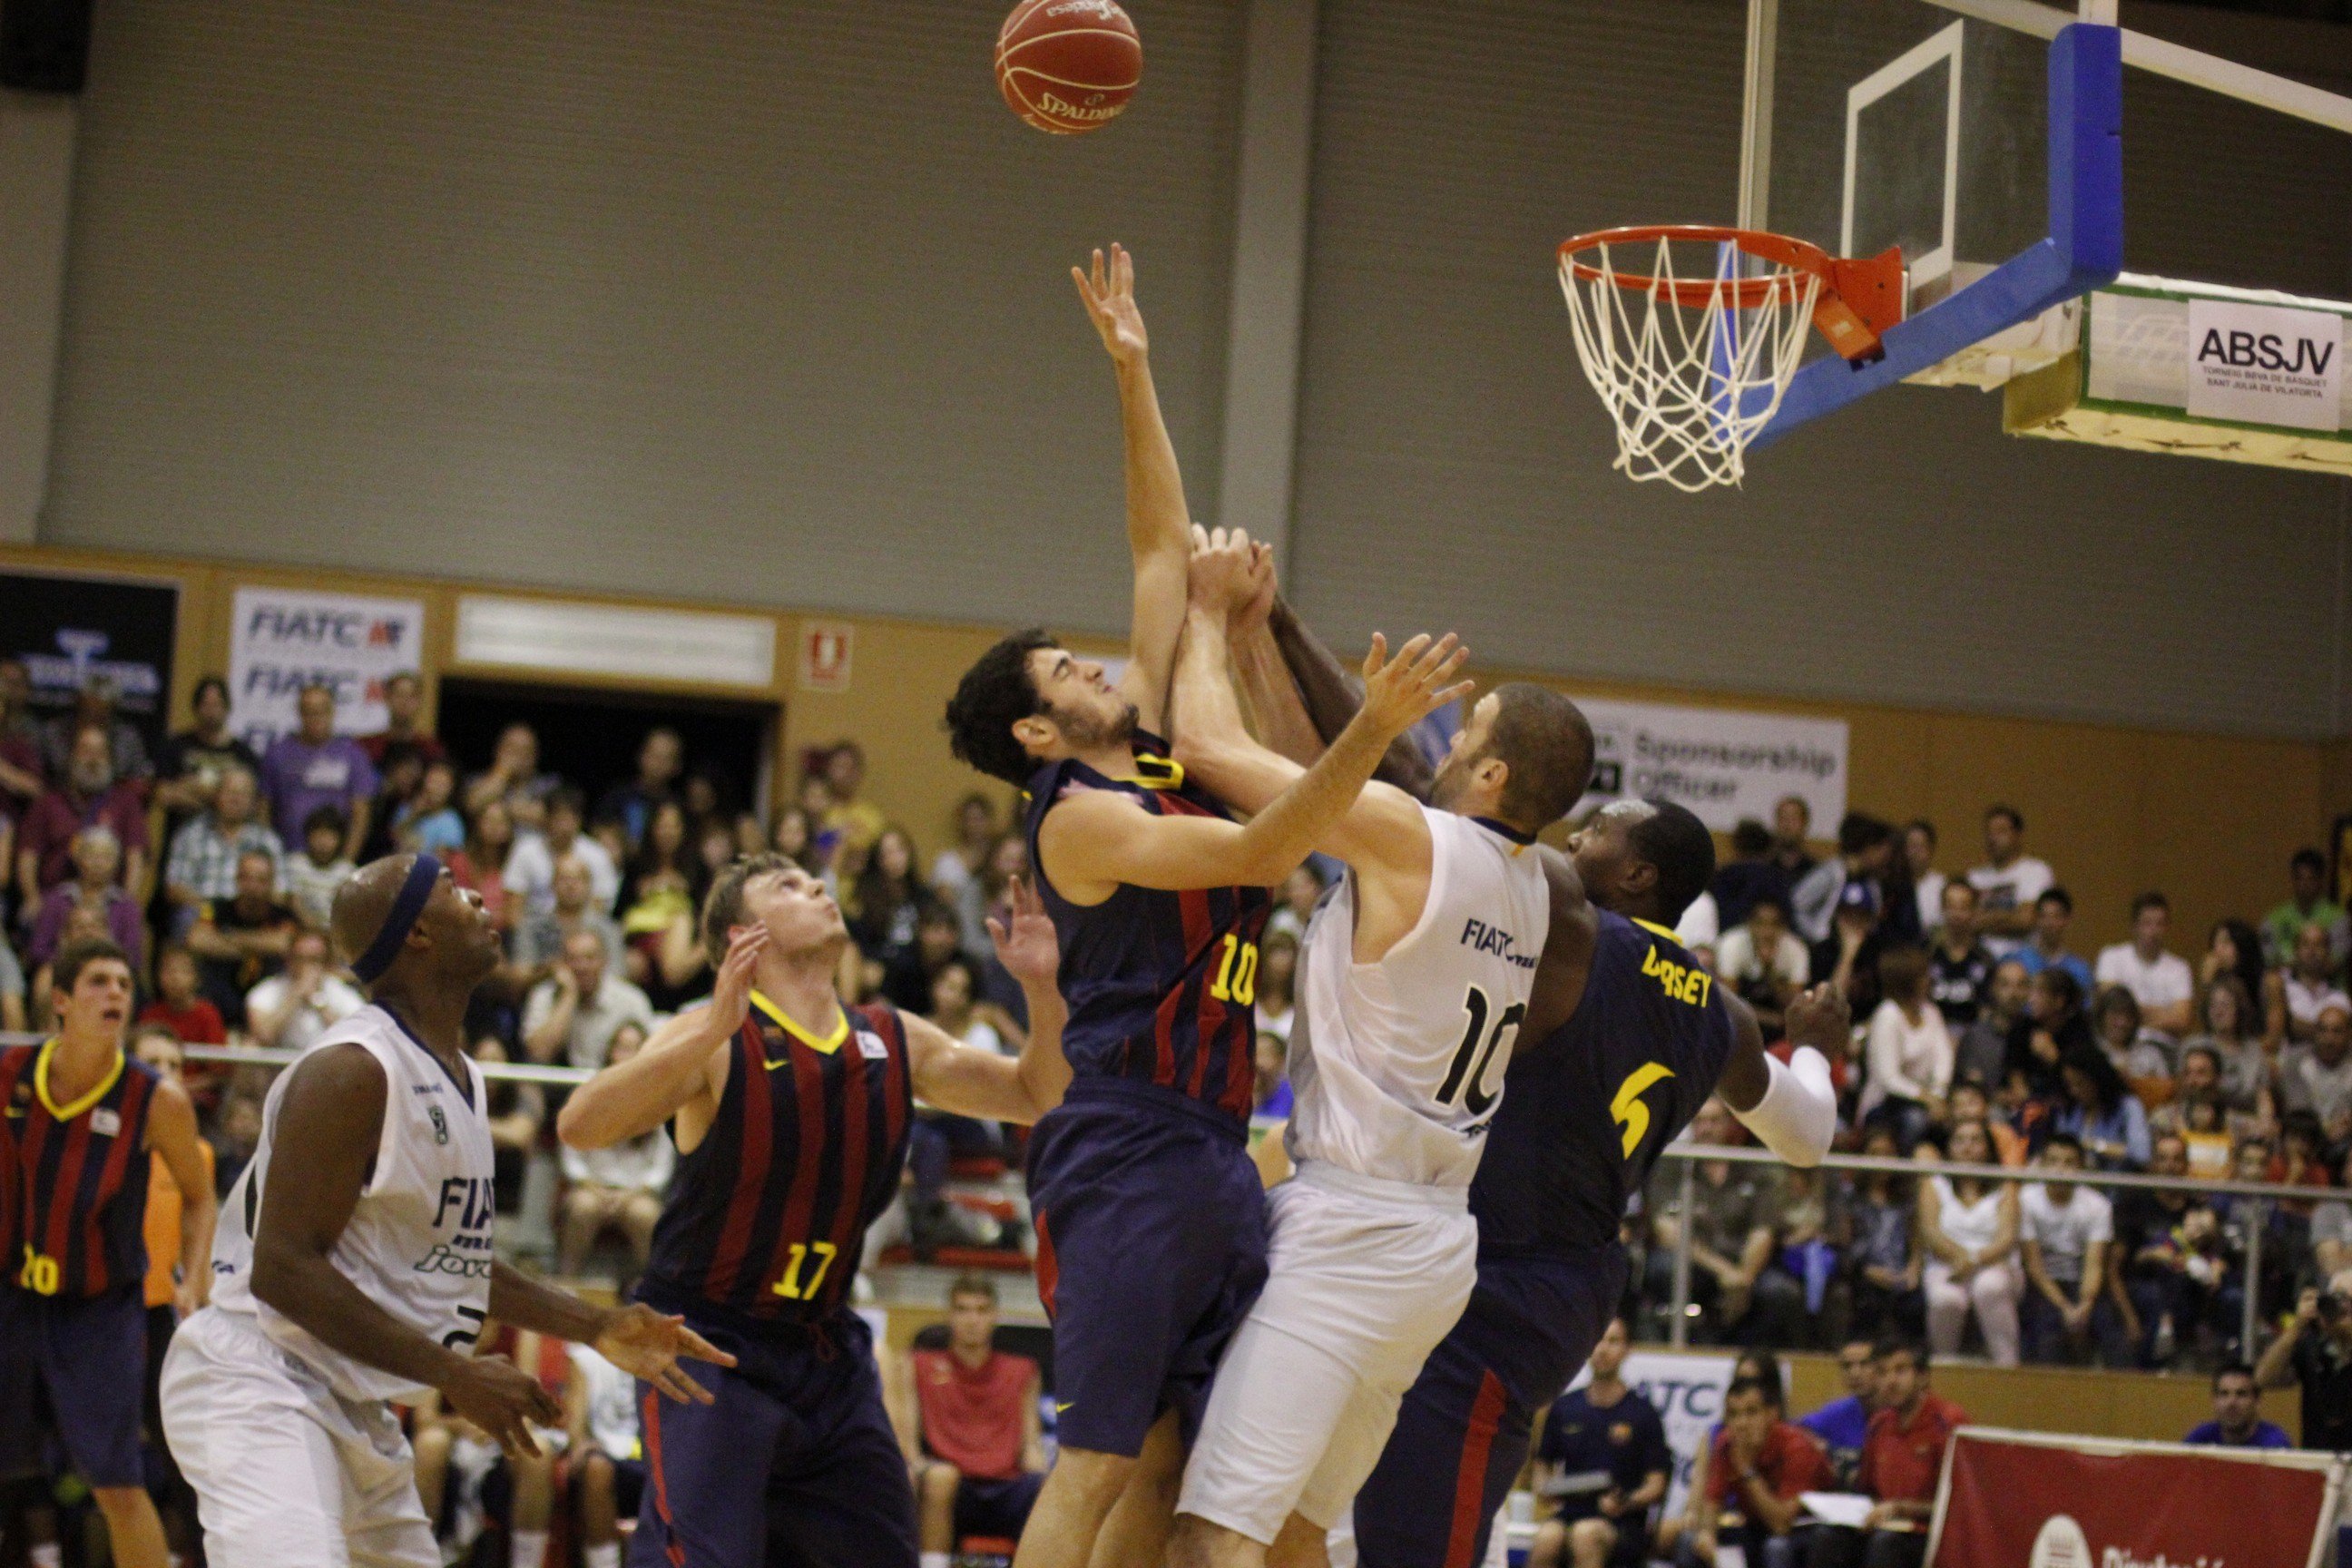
x: 41, y: 1083
x: 828, y: 1044
x: 1155, y: 773
x: 1656, y: 929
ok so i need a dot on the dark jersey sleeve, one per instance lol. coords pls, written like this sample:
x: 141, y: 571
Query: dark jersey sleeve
x: 1649, y: 1442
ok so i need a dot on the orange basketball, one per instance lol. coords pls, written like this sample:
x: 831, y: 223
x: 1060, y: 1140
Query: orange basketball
x: 1068, y: 66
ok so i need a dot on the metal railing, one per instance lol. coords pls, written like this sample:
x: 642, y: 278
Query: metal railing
x: 1692, y: 1155
x: 270, y: 1057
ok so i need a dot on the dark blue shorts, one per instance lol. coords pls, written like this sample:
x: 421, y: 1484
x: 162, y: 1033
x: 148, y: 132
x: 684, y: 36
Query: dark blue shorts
x: 77, y: 1366
x: 795, y: 1463
x: 1000, y: 1509
x: 1151, y: 1222
x: 1463, y: 1434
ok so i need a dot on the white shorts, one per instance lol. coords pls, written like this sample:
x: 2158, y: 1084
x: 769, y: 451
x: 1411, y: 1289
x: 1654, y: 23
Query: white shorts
x: 286, y: 1473
x: 1365, y: 1277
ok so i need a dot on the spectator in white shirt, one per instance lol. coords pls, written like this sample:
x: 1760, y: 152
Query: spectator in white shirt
x: 1927, y: 882
x: 1700, y: 927
x: 291, y: 1009
x: 2065, y: 1229
x: 2310, y: 986
x: 2009, y: 881
x: 575, y: 1014
x: 531, y: 865
x: 1909, y: 1056
x: 2159, y: 981
x: 1764, y: 961
x: 616, y: 1187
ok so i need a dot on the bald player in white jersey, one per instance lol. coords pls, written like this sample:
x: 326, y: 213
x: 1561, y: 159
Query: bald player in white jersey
x: 1417, y: 971
x: 353, y: 1265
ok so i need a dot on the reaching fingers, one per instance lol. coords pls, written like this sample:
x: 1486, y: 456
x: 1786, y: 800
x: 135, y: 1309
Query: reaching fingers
x: 1200, y: 539
x: 1026, y: 899
x: 1376, y: 657
x: 681, y: 1387
x: 1438, y: 653
x: 690, y: 1343
x: 1122, y: 269
x: 1407, y: 656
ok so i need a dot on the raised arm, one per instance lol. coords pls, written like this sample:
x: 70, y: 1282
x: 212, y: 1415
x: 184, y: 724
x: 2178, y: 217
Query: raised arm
x: 1331, y: 695
x: 1158, y: 528
x: 1791, y: 1105
x: 679, y: 1072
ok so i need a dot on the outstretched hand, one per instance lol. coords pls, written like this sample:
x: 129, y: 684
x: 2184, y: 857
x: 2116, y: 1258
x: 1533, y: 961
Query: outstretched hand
x: 731, y: 992
x: 1400, y: 692
x: 1108, y: 293
x: 647, y: 1344
x: 1229, y: 570
x: 1024, y: 939
x: 1819, y: 1018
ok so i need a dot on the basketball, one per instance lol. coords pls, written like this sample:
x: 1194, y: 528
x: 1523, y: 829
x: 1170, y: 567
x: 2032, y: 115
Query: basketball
x: 1068, y: 66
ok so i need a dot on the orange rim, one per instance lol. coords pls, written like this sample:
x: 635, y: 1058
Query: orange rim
x: 1860, y: 298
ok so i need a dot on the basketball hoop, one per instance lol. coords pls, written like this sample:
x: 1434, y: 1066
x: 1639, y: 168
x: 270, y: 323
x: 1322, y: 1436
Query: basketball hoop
x: 1694, y: 370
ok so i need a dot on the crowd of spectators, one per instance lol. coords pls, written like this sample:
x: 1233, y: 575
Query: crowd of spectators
x: 1982, y: 1038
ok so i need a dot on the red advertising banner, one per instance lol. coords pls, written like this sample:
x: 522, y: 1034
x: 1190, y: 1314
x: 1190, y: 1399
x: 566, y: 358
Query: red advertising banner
x: 2025, y: 1500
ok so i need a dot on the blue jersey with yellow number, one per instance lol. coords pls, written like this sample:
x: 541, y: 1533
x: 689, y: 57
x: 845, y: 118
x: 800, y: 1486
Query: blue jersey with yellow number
x: 1586, y: 1111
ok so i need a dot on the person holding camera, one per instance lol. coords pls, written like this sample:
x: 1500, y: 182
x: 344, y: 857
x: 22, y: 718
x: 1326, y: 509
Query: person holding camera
x: 2315, y: 1353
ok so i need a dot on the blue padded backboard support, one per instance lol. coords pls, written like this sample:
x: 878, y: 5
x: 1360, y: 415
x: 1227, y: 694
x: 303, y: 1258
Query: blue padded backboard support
x: 2084, y: 249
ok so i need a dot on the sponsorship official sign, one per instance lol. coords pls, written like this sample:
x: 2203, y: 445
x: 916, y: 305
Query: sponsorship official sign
x: 1721, y: 763
x: 2020, y: 1499
x: 285, y: 639
x: 2266, y: 364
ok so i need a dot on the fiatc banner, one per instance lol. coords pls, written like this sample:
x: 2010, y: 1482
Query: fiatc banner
x: 2026, y: 1499
x: 66, y: 629
x: 285, y: 639
x: 1721, y: 763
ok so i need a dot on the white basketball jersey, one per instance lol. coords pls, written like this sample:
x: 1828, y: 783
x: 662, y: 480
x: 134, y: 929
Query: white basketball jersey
x: 1397, y: 1066
x: 418, y: 1244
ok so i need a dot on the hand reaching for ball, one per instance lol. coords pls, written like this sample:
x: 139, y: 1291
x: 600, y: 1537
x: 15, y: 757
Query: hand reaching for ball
x: 1108, y: 294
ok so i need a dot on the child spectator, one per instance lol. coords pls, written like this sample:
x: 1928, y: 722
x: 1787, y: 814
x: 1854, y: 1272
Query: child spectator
x: 313, y: 876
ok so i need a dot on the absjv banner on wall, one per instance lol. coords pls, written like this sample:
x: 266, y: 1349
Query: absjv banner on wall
x: 285, y: 639
x: 1722, y: 763
x: 2025, y: 1500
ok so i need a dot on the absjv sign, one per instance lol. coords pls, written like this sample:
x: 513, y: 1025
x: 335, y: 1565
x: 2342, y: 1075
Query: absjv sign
x: 2266, y: 364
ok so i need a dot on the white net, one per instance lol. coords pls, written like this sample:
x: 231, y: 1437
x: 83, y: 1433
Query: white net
x: 1690, y: 367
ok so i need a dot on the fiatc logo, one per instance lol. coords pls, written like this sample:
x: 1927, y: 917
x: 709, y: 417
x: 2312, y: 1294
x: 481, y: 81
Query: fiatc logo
x: 315, y: 627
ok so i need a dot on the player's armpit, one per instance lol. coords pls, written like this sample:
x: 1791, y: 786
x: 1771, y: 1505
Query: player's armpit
x: 964, y: 1079
x: 1095, y: 839
x: 1567, y: 963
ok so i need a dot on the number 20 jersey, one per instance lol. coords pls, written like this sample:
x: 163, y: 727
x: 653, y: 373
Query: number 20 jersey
x: 1592, y: 1103
x: 419, y: 1240
x: 1397, y: 1065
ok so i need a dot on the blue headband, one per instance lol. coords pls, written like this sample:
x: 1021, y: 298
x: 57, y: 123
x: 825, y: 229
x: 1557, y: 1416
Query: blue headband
x: 422, y: 873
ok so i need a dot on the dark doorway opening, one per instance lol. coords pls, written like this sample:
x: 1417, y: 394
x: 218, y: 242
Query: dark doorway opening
x: 591, y: 735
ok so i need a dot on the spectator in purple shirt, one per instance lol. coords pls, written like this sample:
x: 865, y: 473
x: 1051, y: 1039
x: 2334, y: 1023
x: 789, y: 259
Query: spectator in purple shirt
x: 87, y: 796
x: 314, y: 767
x: 97, y: 858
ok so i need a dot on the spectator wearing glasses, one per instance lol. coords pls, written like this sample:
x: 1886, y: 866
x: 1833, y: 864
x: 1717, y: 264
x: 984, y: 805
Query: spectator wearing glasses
x: 2238, y: 1415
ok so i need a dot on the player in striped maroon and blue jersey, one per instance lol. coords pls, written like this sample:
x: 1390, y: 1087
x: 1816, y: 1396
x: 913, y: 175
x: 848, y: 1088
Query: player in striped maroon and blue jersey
x: 791, y: 1115
x: 1150, y: 1214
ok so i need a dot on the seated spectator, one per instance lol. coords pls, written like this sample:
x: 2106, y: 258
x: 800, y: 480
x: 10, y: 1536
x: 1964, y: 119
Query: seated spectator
x: 202, y: 863
x: 178, y: 1006
x: 1968, y: 1229
x: 396, y: 784
x: 2009, y: 884
x: 1865, y: 850
x: 1748, y: 875
x: 193, y: 762
x: 516, y: 1111
x: 1759, y: 1467
x: 2045, y: 948
x: 97, y: 887
x: 2163, y: 1287
x: 1294, y: 901
x: 1733, y: 1208
x: 1960, y: 965
x: 1808, y: 1221
x: 1981, y: 1051
x: 986, y: 893
x: 1842, y: 1424
x: 2229, y: 1035
x: 888, y: 901
x: 514, y: 777
x: 619, y: 1186
x: 2100, y: 1110
x: 2139, y: 1055
x: 88, y: 794
x: 1902, y: 1463
x: 1884, y: 1258
x: 1604, y: 1461
x: 313, y: 876
x: 2053, y: 1024
x: 961, y: 861
x: 530, y: 867
x: 292, y: 1008
x: 2231, y: 948
x: 539, y: 942
x: 2309, y: 985
x: 2065, y: 1230
x: 2317, y: 1077
x: 2238, y: 1414
x: 2315, y: 1353
x: 1277, y: 982
x: 241, y: 940
x: 1792, y: 826
x: 23, y: 774
x: 574, y: 1014
x: 404, y: 715
x: 95, y: 709
x: 661, y: 758
x: 480, y: 865
x: 2307, y: 904
x: 1910, y: 1051
x: 1764, y: 963
x: 2011, y: 1147
x: 312, y: 766
x: 973, y: 1437
x: 2159, y: 981
x: 426, y: 821
x: 2197, y: 1114
x: 907, y: 982
x: 84, y: 923
x: 1928, y: 884
x: 859, y: 821
x: 662, y: 878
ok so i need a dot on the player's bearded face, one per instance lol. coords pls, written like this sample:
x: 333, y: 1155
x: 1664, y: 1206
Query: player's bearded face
x: 1095, y: 719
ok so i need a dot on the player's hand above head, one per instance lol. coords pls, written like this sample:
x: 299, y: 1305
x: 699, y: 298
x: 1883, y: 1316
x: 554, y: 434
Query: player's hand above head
x: 1258, y: 609
x: 493, y: 1394
x: 1224, y: 568
x: 1108, y: 293
x: 1024, y: 939
x: 1819, y: 1018
x: 1401, y: 691
x: 648, y: 1345
x: 731, y: 992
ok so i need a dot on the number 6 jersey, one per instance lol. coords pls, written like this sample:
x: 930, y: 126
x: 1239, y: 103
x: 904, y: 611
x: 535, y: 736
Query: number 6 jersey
x: 419, y: 1240
x: 1398, y: 1065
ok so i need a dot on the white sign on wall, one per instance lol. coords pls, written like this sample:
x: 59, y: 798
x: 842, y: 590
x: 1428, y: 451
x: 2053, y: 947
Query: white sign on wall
x: 2266, y: 364
x: 1722, y: 763
x: 287, y: 638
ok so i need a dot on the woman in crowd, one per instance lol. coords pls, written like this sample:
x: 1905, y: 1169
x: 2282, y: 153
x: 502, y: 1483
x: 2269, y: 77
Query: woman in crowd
x: 618, y: 1187
x: 888, y: 904
x: 2053, y: 1024
x: 795, y: 838
x: 1909, y: 1057
x: 2235, y: 948
x: 984, y: 894
x: 2145, y: 1063
x: 1969, y: 1227
x: 2100, y: 1110
x: 481, y: 866
x: 427, y: 820
x: 975, y: 834
x: 665, y: 885
x: 1882, y: 1259
x: 2247, y: 1093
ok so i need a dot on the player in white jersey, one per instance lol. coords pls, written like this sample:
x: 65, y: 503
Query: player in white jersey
x: 1417, y: 971
x: 352, y: 1264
